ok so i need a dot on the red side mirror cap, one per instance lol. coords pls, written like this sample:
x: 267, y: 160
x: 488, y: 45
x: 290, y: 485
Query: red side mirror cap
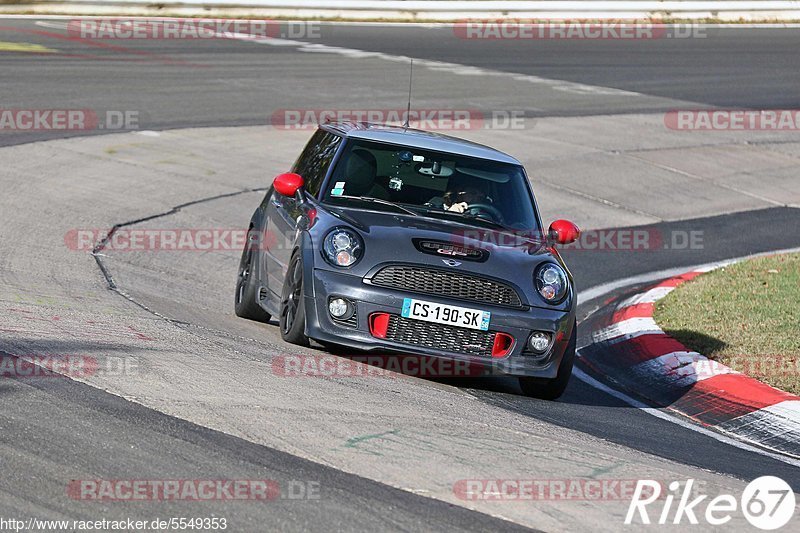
x: 564, y: 232
x: 287, y: 184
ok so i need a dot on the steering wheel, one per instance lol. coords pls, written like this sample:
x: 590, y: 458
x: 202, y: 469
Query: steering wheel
x: 486, y: 209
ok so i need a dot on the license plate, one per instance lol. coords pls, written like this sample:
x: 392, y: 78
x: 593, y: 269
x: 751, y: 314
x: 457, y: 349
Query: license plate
x: 451, y: 315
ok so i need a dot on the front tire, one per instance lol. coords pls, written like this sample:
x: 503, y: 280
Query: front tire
x: 293, y: 309
x: 246, y: 298
x: 552, y: 389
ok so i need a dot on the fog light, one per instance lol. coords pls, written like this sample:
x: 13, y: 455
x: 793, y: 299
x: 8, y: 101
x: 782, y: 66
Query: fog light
x: 539, y: 341
x: 338, y: 307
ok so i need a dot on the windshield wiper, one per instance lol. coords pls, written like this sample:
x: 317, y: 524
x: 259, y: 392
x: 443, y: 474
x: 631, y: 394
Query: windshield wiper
x: 467, y: 217
x: 372, y: 200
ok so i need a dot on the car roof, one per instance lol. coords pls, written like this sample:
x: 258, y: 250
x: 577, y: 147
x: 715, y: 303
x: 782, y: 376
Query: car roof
x: 414, y: 138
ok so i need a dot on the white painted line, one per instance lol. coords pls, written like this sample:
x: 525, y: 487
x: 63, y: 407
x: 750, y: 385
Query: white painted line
x: 626, y: 329
x: 683, y: 368
x: 440, y: 66
x: 789, y: 409
x: 709, y: 268
x: 776, y: 426
x: 778, y: 421
x: 658, y: 413
x: 647, y: 297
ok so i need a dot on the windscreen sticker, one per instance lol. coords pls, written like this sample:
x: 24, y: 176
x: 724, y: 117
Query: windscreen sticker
x: 338, y: 189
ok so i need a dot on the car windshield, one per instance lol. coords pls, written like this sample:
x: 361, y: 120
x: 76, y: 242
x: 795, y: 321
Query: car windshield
x: 440, y: 185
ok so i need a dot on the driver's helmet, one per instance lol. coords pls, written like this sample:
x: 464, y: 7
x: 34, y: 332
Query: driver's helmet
x: 465, y: 192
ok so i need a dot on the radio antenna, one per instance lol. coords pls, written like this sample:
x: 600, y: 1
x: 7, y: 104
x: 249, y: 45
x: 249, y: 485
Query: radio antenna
x: 410, y: 79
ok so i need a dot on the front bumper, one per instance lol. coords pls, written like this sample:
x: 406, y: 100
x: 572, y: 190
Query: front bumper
x: 369, y: 299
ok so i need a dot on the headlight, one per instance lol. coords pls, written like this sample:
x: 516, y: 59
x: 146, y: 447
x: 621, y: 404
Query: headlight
x: 342, y: 247
x: 551, y: 282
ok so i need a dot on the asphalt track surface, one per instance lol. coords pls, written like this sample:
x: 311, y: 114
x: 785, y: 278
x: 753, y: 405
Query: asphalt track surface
x: 176, y: 84
x: 51, y: 428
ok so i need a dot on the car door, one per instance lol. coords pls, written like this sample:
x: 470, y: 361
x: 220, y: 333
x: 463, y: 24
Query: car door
x: 283, y: 212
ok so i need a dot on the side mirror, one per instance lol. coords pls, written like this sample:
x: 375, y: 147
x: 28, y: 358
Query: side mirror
x: 288, y: 184
x: 563, y: 232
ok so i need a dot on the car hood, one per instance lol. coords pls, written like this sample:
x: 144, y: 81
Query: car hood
x: 398, y: 238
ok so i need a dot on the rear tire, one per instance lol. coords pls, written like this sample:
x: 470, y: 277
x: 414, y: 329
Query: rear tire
x: 246, y: 297
x: 552, y: 389
x: 293, y: 309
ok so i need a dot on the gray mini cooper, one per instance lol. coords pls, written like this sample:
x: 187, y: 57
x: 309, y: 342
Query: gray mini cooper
x: 391, y: 239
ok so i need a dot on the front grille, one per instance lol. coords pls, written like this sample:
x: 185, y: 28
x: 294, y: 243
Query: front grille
x: 446, y: 283
x: 440, y: 337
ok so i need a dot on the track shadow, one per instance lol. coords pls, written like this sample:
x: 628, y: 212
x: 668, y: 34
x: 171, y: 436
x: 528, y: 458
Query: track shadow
x: 697, y: 341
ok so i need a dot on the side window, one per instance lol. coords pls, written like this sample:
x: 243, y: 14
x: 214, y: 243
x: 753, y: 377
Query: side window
x: 313, y: 163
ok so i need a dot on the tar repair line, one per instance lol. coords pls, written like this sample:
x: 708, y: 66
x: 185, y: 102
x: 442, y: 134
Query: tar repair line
x: 112, y: 286
x: 601, y: 290
x: 101, y: 245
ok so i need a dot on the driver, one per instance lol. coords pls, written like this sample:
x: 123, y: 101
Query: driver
x: 459, y: 199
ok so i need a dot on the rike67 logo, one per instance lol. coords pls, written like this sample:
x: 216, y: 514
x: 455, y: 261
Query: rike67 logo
x: 767, y: 503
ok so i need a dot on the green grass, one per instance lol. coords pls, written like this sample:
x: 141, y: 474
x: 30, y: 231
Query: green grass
x: 746, y: 316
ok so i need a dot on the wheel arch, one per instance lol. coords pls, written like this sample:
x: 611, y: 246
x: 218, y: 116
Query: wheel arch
x: 305, y: 246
